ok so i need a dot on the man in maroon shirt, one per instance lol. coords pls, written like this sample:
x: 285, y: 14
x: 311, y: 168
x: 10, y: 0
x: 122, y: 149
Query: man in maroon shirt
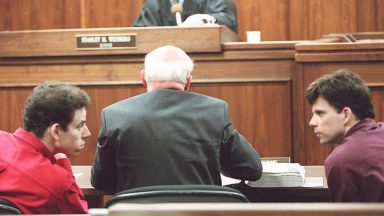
x: 343, y: 114
x: 35, y: 173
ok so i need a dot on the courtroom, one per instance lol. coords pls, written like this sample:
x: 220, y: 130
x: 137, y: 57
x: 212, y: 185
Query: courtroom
x: 192, y: 107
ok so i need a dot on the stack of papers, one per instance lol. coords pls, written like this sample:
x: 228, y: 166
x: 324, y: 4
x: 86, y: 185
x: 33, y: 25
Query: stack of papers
x: 280, y: 175
x: 228, y: 180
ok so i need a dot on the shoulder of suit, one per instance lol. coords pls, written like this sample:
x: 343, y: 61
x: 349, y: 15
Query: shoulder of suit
x: 124, y: 102
x: 207, y: 97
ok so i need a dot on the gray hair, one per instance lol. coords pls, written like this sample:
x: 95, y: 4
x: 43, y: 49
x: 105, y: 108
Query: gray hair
x: 167, y: 63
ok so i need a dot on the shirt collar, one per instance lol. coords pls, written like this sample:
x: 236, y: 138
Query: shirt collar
x: 365, y: 124
x: 33, y: 141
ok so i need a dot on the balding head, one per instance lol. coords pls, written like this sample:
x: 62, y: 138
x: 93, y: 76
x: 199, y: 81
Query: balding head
x: 167, y: 63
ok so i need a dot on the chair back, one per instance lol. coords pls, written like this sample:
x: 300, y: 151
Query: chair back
x: 8, y: 208
x: 178, y: 194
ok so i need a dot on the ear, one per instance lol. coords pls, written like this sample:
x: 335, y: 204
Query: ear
x: 55, y: 131
x: 143, y: 80
x: 188, y: 82
x: 348, y: 115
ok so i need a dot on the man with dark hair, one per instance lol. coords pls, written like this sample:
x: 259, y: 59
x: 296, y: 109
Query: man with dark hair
x: 343, y: 114
x: 195, y: 13
x: 35, y: 172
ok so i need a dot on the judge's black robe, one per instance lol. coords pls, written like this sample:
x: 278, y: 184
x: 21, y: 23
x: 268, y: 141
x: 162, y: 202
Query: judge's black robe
x: 158, y: 12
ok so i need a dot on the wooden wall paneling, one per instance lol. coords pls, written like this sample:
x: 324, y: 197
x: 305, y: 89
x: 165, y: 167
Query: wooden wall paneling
x: 112, y: 13
x: 269, y: 17
x: 298, y: 119
x: 242, y: 71
x: 308, y: 19
x: 64, y: 14
x: 379, y: 6
x: 366, y: 23
x: 12, y: 103
x: 78, y: 74
x: 257, y: 85
x: 254, y: 104
x: 3, y: 14
x: 256, y: 112
x: 71, y: 14
x: 341, y: 16
x: 377, y: 94
x: 41, y: 14
x: 330, y: 16
x: 297, y: 20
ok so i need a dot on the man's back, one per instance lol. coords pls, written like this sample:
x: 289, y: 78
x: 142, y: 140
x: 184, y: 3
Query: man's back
x: 171, y: 137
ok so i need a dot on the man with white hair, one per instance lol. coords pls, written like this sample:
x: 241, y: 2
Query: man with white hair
x: 168, y: 135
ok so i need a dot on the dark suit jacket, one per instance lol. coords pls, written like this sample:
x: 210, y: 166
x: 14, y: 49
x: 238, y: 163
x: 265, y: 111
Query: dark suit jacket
x: 158, y: 12
x: 170, y: 137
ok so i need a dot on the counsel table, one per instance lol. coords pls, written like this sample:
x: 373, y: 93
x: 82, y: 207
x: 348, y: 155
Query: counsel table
x: 302, y: 194
x: 290, y: 194
x: 94, y: 197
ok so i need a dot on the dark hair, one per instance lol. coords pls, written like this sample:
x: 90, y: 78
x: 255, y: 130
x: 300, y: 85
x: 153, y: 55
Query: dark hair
x: 52, y: 102
x: 341, y: 89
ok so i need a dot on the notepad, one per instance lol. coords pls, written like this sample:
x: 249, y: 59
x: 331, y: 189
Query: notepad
x: 314, y: 182
x: 77, y: 175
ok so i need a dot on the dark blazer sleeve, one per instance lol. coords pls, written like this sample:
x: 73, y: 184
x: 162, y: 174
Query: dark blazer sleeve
x: 104, y: 170
x: 224, y: 12
x: 237, y: 156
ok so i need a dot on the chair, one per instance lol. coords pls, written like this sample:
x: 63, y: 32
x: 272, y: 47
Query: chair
x: 178, y: 194
x: 8, y: 208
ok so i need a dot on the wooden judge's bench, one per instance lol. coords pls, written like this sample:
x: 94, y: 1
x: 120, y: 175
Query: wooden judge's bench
x: 263, y: 83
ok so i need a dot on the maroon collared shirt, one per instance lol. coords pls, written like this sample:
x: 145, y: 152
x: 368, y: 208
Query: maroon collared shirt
x: 355, y: 168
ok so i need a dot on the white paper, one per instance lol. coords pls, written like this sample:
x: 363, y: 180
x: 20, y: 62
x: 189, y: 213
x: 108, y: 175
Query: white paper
x: 228, y: 181
x: 77, y: 175
x: 314, y: 182
x: 280, y: 175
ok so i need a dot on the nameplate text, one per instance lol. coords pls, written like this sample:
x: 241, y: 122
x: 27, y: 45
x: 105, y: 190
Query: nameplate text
x: 105, y: 42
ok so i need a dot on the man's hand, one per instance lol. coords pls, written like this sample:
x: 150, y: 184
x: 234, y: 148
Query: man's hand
x: 60, y: 155
x: 199, y: 20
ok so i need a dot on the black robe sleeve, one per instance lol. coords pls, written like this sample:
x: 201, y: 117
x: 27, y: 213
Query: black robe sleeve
x: 224, y: 12
x: 155, y: 13
x: 158, y: 12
